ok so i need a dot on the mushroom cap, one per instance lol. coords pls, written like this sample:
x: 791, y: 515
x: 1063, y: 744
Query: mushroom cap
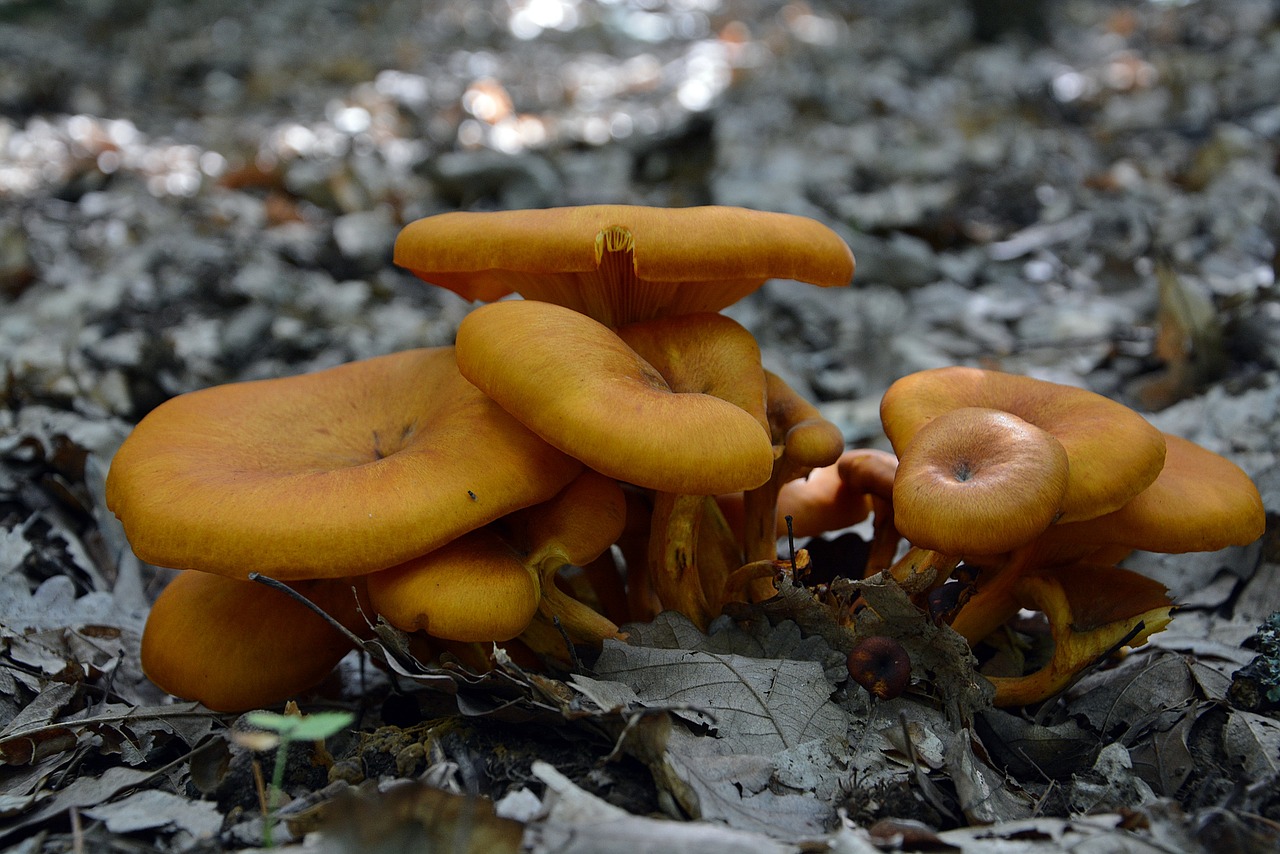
x: 819, y: 503
x: 1114, y: 452
x: 576, y: 526
x: 487, y: 584
x: 1200, y: 502
x: 472, y: 589
x: 978, y: 481
x: 868, y: 471
x: 340, y: 472
x: 622, y: 263
x: 235, y: 645
x: 575, y: 383
x: 703, y: 353
x: 807, y: 440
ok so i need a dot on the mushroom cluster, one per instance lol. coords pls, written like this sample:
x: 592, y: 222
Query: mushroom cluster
x: 1031, y: 492
x: 444, y: 489
x: 612, y: 420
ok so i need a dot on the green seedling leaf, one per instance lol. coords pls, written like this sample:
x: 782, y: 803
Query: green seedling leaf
x: 302, y: 727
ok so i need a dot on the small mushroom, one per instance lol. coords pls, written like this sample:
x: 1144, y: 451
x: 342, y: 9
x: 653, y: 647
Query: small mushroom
x: 235, y: 645
x: 1113, y: 452
x: 978, y: 481
x: 881, y: 665
x: 619, y: 263
x: 488, y: 584
x: 802, y: 441
x: 340, y: 472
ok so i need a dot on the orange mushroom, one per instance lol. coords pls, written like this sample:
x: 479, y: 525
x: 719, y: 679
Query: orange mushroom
x: 488, y: 584
x: 578, y: 385
x: 235, y: 645
x: 802, y: 441
x: 618, y: 263
x: 1199, y: 502
x: 1113, y: 452
x: 340, y: 472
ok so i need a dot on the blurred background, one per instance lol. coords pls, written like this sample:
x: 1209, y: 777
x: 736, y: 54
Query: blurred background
x: 1081, y: 190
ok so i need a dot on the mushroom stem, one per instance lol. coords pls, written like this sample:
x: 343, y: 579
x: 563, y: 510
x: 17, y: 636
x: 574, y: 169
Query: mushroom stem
x: 673, y: 555
x: 718, y: 556
x: 920, y: 569
x: 580, y: 622
x: 995, y: 600
x: 1086, y: 625
x: 802, y: 441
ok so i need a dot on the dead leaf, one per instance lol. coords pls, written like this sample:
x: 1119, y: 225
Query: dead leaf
x: 1253, y: 742
x: 151, y: 809
x: 754, y: 705
x: 739, y: 789
x: 1147, y: 682
x: 580, y: 823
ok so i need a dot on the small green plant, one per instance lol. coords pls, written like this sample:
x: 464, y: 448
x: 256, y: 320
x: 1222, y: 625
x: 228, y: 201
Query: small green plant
x: 283, y: 730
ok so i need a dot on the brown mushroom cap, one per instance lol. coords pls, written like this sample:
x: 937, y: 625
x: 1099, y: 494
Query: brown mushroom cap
x: 235, y: 645
x: 340, y: 472
x: 978, y: 481
x: 576, y: 384
x: 1114, y: 452
x: 622, y: 263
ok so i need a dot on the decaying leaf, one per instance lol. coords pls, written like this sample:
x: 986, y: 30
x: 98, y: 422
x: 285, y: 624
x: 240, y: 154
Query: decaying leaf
x: 935, y: 649
x: 577, y: 823
x: 152, y: 809
x: 1252, y: 742
x: 1140, y: 688
x: 1110, y: 785
x: 754, y: 705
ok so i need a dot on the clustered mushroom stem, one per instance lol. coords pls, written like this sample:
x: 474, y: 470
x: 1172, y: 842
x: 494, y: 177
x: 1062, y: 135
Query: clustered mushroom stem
x: 995, y: 599
x: 718, y: 555
x: 673, y: 555
x: 917, y: 561
x: 580, y: 622
x: 760, y: 527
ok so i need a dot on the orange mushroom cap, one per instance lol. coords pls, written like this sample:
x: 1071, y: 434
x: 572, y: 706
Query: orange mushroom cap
x: 235, y: 645
x: 340, y: 472
x: 622, y: 263
x: 703, y: 353
x: 804, y: 438
x: 1200, y: 502
x: 978, y: 481
x: 488, y: 584
x: 575, y: 383
x: 471, y: 589
x: 1114, y: 452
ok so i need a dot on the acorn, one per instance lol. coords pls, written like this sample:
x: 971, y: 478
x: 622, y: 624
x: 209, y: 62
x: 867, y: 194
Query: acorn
x: 881, y: 665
